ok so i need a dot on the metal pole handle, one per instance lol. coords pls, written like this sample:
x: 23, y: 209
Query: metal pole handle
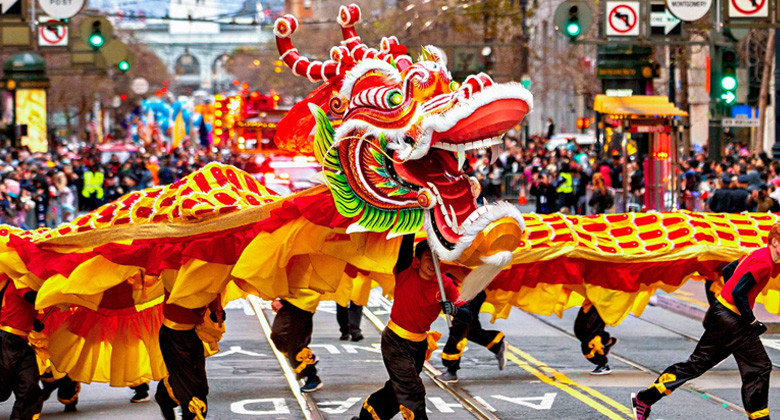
x: 441, y: 285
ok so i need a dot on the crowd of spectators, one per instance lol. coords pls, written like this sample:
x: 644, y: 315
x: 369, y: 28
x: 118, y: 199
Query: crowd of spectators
x: 39, y: 190
x: 44, y: 190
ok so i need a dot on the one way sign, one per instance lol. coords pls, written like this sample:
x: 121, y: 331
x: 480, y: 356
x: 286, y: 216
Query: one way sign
x: 663, y: 22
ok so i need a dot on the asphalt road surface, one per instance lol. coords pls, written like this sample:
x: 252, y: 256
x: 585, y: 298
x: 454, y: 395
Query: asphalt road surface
x: 546, y: 377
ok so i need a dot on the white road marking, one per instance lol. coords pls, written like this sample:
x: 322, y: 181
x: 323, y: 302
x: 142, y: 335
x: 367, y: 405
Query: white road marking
x: 329, y: 347
x: 544, y: 403
x: 485, y: 404
x: 237, y: 350
x: 341, y: 407
x: 353, y: 349
x: 279, y: 407
x: 443, y: 406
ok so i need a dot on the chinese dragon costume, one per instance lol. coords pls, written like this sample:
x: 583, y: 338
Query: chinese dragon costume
x: 392, y: 166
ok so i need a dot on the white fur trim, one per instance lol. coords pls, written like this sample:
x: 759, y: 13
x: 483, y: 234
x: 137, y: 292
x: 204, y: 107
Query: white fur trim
x: 363, y: 67
x: 497, y: 211
x: 481, y: 276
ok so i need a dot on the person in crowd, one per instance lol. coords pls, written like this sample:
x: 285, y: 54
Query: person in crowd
x: 545, y: 194
x: 601, y: 199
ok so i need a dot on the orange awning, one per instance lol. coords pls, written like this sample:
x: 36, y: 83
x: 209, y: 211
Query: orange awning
x: 638, y: 106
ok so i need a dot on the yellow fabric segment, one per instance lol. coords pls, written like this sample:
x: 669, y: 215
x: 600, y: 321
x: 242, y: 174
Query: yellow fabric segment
x: 406, y: 335
x: 198, y: 283
x: 660, y: 385
x: 726, y: 303
x: 14, y: 331
x: 370, y: 410
x: 305, y: 358
x: 461, y: 346
x: 758, y: 414
x: 596, y: 346
x: 307, y: 299
x: 496, y: 340
x: 406, y: 413
x: 170, y: 390
x: 197, y: 407
x: 432, y: 337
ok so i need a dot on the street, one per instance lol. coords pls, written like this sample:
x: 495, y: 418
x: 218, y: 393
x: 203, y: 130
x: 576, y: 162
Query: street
x: 546, y: 377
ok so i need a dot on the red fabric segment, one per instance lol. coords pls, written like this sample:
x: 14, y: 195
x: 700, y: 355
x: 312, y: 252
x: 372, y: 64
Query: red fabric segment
x: 104, y: 324
x: 155, y: 255
x: 625, y: 277
x: 17, y: 312
x: 759, y: 263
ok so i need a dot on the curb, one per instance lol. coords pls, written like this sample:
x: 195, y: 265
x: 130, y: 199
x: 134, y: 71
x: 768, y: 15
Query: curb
x: 695, y: 312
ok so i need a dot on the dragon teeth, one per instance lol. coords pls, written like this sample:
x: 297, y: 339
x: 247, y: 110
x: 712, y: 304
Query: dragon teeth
x: 495, y: 150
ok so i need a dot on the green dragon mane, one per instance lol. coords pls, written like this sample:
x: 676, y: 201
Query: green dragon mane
x: 348, y: 203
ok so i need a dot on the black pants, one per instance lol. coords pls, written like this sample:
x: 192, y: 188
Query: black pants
x: 725, y: 334
x: 186, y: 384
x: 291, y: 334
x: 67, y: 389
x: 19, y: 375
x: 349, y: 318
x: 589, y: 329
x: 461, y: 332
x: 404, y: 391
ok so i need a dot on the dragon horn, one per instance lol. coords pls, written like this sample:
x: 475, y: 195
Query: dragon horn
x: 301, y: 66
x: 348, y: 17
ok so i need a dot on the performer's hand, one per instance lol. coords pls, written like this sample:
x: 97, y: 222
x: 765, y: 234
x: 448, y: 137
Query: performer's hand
x: 38, y: 325
x: 218, y: 317
x: 758, y: 327
x: 276, y: 305
x: 448, y: 308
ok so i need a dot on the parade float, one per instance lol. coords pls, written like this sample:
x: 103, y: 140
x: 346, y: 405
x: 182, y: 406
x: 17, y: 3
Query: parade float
x: 392, y: 167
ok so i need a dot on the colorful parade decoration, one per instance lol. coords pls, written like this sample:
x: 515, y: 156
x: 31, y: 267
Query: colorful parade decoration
x: 392, y: 166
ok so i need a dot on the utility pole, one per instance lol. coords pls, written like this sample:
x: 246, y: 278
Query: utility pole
x: 776, y: 146
x: 524, y: 67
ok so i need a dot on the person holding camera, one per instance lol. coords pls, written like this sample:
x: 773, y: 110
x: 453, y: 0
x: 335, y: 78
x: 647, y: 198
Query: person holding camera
x: 544, y: 191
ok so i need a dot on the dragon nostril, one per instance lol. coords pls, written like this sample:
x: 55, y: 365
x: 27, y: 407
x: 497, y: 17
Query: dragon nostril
x: 410, y: 141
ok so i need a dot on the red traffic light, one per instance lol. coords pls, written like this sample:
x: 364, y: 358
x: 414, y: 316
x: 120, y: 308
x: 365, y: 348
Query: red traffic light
x: 123, y: 97
x: 583, y: 123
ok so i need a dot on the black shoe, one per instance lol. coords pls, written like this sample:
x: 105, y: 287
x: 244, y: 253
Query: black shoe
x: 501, y: 355
x: 602, y: 370
x: 165, y: 407
x: 312, y: 384
x: 71, y: 408
x: 611, y: 343
x: 357, y: 337
x: 344, y: 337
x: 141, y: 393
x: 48, y: 388
x: 448, y: 377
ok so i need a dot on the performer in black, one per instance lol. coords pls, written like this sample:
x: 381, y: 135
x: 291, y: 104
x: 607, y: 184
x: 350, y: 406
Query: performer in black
x: 349, y: 318
x: 595, y: 342
x: 186, y: 384
x: 291, y: 333
x: 406, y: 342
x: 462, y: 332
x: 729, y: 328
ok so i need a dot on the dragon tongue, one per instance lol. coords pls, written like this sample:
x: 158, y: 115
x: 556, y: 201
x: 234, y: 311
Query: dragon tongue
x: 439, y: 171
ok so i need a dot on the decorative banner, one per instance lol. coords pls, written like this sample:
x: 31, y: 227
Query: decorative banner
x: 750, y: 9
x: 52, y: 35
x: 689, y: 10
x: 31, y: 111
x: 623, y: 18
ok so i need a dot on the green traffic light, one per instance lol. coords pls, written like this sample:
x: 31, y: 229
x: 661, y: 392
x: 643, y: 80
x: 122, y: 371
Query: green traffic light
x: 573, y: 29
x: 728, y: 82
x: 124, y: 65
x: 96, y: 40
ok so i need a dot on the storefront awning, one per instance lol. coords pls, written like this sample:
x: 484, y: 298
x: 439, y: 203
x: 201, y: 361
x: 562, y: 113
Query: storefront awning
x: 637, y: 106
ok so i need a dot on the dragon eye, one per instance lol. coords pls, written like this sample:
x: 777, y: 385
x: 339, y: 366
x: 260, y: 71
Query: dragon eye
x: 395, y: 99
x: 454, y: 86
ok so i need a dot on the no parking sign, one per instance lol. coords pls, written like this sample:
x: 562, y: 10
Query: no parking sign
x: 748, y: 8
x: 623, y: 18
x: 52, y: 32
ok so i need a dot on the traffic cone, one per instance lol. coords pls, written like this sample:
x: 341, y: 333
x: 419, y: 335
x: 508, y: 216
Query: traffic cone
x: 522, y: 200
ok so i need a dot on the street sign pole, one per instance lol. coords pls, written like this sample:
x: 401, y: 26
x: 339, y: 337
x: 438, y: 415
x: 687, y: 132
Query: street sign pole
x: 776, y: 146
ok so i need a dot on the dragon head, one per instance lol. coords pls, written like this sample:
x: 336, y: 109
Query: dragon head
x: 396, y: 160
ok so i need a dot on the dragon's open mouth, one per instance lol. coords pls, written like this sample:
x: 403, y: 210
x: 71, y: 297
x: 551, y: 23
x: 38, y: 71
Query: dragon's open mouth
x: 477, y: 123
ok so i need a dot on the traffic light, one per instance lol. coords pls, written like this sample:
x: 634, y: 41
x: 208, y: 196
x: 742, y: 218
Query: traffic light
x: 583, y: 123
x: 123, y: 66
x: 728, y: 76
x: 96, y: 39
x: 573, y: 28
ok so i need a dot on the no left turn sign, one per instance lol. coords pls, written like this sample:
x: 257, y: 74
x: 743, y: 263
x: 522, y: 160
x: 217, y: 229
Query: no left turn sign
x: 748, y: 9
x: 52, y: 33
x: 623, y: 18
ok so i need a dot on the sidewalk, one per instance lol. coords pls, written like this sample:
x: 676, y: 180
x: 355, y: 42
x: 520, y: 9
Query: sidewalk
x: 691, y: 301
